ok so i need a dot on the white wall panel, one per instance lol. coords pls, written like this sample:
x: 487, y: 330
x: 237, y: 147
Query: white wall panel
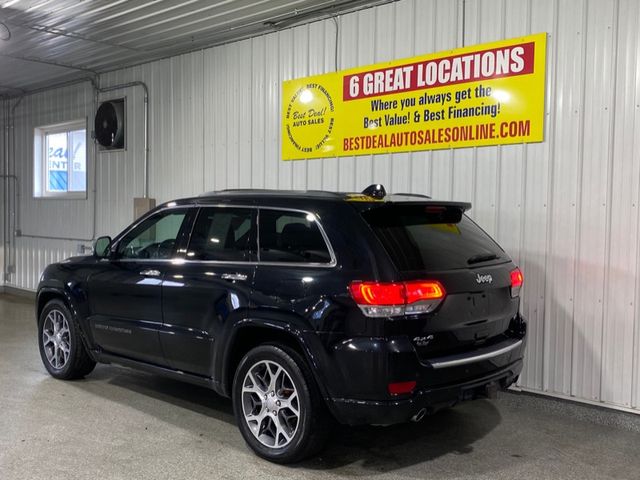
x: 2, y: 187
x: 566, y: 209
x: 567, y: 121
x: 591, y: 207
x: 43, y: 217
x: 620, y: 350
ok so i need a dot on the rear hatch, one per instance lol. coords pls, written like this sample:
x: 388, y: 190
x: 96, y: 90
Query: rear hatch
x: 437, y: 242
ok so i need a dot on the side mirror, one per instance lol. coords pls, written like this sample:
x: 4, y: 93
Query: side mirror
x: 101, y: 247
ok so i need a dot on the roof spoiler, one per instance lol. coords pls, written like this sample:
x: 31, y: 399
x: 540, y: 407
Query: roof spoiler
x: 427, y: 202
x: 434, y: 211
x: 464, y: 206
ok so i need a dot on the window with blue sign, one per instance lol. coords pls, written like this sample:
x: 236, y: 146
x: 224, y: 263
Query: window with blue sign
x: 61, y: 169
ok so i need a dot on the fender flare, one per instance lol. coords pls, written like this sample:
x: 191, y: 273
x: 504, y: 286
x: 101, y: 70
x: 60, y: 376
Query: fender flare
x: 64, y: 294
x: 282, y: 328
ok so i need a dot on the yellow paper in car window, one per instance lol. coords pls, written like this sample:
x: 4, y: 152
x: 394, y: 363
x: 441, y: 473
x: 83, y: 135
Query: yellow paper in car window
x: 446, y: 228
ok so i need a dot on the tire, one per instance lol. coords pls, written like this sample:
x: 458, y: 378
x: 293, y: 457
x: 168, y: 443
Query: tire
x: 298, y: 437
x: 61, y: 348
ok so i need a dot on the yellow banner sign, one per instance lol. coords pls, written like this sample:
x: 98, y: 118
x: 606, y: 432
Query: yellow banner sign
x: 491, y: 94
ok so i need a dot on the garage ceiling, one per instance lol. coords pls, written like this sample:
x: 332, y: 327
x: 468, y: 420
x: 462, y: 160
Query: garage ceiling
x: 53, y: 41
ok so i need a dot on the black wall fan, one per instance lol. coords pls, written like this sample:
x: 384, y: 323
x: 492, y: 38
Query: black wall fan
x: 110, y: 124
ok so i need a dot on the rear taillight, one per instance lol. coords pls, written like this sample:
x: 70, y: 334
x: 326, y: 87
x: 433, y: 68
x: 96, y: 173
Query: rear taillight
x: 419, y: 290
x: 377, y: 299
x: 517, y: 280
x: 372, y: 293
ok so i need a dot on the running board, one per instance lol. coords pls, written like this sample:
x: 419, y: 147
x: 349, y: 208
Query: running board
x: 103, y: 357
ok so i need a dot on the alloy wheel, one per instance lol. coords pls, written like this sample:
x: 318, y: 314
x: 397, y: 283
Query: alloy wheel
x: 270, y: 404
x: 56, y: 339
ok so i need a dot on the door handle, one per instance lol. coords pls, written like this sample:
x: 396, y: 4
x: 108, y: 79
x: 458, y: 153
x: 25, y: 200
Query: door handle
x: 233, y: 276
x: 150, y: 273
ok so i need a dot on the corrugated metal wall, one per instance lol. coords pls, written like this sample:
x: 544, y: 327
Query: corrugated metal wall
x: 2, y: 186
x: 44, y: 223
x: 566, y: 209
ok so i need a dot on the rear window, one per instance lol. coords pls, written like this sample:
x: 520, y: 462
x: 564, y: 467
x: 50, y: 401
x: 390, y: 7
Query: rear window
x: 432, y: 237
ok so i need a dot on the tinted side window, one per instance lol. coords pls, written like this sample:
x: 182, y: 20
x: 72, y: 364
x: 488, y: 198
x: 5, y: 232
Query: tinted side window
x: 223, y: 234
x: 291, y: 237
x: 155, y: 238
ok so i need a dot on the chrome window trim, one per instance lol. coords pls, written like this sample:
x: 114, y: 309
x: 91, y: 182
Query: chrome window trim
x: 148, y: 260
x: 228, y: 262
x: 148, y: 215
x: 330, y: 264
x: 183, y: 261
x: 180, y: 260
x: 116, y: 241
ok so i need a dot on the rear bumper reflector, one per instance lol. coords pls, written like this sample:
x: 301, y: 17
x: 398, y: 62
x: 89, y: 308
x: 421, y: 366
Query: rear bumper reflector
x: 400, y: 388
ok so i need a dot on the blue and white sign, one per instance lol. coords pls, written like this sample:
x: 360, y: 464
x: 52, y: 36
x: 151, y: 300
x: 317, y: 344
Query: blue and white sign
x: 66, y: 161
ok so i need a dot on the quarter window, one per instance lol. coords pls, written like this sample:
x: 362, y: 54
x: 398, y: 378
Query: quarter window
x: 292, y: 237
x: 222, y: 234
x: 60, y: 160
x: 154, y: 238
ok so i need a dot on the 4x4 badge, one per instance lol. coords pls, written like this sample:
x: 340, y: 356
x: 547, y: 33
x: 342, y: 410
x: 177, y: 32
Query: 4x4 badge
x: 487, y: 278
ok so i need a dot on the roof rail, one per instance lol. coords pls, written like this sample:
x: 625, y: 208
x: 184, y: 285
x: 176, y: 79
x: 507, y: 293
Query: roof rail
x: 267, y: 191
x: 234, y: 190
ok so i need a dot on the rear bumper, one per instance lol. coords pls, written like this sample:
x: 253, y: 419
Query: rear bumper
x: 367, y: 412
x: 364, y: 367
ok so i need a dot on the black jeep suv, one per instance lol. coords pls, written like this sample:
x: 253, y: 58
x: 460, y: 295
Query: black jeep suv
x: 300, y: 306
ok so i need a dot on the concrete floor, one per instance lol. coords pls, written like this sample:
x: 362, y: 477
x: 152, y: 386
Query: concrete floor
x: 121, y: 424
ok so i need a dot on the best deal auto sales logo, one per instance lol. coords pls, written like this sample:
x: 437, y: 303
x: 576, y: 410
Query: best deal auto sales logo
x: 310, y: 118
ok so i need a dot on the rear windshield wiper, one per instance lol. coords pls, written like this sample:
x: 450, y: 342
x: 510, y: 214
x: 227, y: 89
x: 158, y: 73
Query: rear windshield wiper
x: 483, y: 257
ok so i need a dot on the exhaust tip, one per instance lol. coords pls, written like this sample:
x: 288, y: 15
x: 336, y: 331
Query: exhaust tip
x: 419, y: 416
